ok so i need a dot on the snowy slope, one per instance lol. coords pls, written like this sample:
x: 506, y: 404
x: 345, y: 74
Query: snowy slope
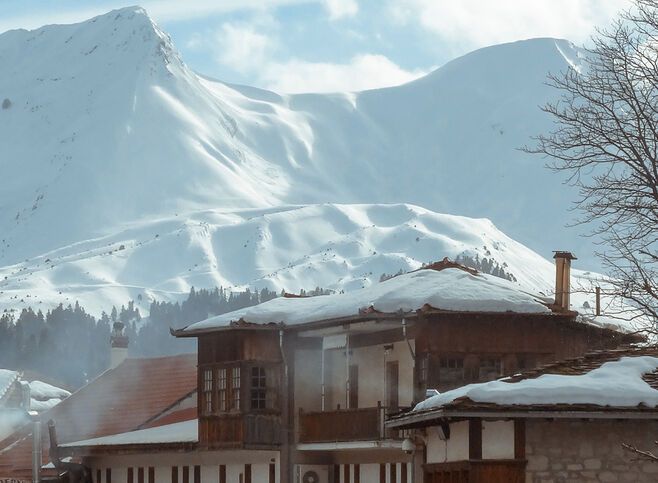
x: 340, y: 247
x: 110, y: 140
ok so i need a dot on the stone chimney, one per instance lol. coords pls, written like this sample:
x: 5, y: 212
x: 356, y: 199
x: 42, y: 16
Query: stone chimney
x: 119, y: 343
x: 563, y: 279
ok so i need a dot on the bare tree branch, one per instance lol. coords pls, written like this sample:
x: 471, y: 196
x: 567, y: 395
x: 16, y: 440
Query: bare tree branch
x: 606, y: 142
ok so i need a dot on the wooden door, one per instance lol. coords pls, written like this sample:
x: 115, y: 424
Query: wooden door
x: 354, y: 387
x: 392, y: 385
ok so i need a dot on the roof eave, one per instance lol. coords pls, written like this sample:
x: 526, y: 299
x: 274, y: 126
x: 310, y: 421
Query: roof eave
x: 427, y: 418
x: 133, y: 448
x: 351, y: 319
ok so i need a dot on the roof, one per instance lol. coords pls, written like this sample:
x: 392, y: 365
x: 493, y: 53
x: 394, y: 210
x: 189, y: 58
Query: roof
x: 121, y: 399
x: 445, y: 286
x: 169, y: 434
x: 7, y: 379
x: 623, y: 381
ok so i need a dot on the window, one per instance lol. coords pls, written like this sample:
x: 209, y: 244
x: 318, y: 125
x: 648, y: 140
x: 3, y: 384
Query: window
x: 222, y: 389
x: 258, y: 388
x: 108, y: 475
x: 263, y: 388
x: 235, y: 388
x: 151, y: 474
x: 490, y: 368
x: 222, y: 473
x: 174, y: 474
x: 207, y: 391
x: 197, y: 474
x: 451, y: 370
x: 423, y: 370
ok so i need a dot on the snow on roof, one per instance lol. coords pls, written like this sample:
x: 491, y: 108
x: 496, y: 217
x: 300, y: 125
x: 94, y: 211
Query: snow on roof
x: 449, y: 289
x: 43, y: 391
x: 617, y: 384
x: 183, y: 432
x: 7, y: 378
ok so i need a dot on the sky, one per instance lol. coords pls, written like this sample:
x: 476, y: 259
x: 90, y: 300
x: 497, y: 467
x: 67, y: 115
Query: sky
x: 333, y: 45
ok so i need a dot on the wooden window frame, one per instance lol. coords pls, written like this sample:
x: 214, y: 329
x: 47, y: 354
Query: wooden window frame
x: 233, y: 388
x: 208, y: 390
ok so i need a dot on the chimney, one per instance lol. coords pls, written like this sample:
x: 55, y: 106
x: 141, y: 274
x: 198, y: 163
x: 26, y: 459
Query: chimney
x: 563, y: 279
x: 119, y: 343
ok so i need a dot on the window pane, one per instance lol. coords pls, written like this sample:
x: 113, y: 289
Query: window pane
x: 235, y: 386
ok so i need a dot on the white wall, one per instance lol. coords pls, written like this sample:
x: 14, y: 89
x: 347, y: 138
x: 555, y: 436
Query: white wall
x: 497, y: 442
x: 369, y: 472
x: 454, y: 449
x: 208, y: 460
x: 498, y: 439
x: 372, y: 374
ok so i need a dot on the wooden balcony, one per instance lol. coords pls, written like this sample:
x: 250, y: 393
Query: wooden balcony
x: 240, y: 430
x: 360, y: 424
x: 476, y: 471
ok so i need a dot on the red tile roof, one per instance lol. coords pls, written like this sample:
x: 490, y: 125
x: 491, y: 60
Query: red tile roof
x: 173, y: 417
x: 119, y: 400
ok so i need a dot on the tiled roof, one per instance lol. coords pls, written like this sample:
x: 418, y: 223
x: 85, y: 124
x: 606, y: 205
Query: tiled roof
x: 119, y: 400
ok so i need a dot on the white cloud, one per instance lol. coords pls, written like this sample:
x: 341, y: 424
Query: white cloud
x: 365, y: 71
x: 341, y: 8
x: 159, y: 10
x: 468, y: 24
x: 242, y: 47
x: 253, y: 49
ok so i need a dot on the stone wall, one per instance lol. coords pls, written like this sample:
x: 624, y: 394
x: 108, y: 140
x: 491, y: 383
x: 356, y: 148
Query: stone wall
x: 582, y: 451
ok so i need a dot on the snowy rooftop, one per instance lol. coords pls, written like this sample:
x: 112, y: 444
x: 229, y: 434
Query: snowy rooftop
x: 450, y: 289
x: 182, y: 432
x: 7, y: 378
x: 621, y: 383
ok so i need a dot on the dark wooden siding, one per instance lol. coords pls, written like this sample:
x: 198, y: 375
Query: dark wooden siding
x: 239, y: 345
x: 238, y: 430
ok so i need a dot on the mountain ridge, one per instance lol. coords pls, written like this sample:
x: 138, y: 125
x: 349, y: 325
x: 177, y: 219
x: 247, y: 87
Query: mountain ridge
x: 109, y: 131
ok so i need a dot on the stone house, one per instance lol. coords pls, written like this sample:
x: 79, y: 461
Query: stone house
x: 564, y: 422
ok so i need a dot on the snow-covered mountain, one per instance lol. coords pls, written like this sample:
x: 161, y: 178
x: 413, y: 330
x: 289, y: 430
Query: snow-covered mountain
x: 124, y: 173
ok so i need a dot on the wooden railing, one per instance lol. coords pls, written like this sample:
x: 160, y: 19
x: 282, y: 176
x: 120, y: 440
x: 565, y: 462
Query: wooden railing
x: 359, y: 424
x: 476, y: 471
x: 238, y: 430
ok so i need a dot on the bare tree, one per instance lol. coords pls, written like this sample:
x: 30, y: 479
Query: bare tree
x: 606, y: 140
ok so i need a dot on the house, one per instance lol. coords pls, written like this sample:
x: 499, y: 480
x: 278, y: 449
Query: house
x: 566, y: 421
x: 299, y: 389
x: 137, y: 393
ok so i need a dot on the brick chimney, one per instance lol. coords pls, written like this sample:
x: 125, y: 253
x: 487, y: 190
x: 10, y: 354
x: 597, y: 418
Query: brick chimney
x: 563, y: 279
x: 119, y: 343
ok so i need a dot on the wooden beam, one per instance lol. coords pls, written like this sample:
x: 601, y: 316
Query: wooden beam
x: 519, y: 439
x: 475, y: 439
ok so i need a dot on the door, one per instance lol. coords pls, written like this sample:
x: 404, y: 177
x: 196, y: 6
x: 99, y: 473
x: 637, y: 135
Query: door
x: 392, y: 379
x: 354, y: 387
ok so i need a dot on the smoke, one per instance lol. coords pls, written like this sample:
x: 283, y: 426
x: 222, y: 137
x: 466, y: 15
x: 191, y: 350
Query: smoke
x: 10, y: 421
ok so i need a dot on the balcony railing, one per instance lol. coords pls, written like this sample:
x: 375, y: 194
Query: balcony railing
x: 238, y: 430
x: 359, y: 424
